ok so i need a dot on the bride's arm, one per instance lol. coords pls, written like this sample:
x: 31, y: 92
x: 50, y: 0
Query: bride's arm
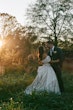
x: 46, y: 59
x: 55, y: 61
x: 41, y: 62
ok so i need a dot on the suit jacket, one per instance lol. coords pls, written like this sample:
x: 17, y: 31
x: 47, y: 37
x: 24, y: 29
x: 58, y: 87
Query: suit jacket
x: 57, y: 54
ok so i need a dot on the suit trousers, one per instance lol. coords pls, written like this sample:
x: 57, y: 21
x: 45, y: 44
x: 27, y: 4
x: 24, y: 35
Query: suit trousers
x: 58, y: 72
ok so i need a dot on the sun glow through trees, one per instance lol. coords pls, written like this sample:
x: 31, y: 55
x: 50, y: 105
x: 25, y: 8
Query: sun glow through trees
x: 1, y: 43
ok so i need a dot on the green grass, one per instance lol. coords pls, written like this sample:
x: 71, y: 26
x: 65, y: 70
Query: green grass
x: 12, y: 97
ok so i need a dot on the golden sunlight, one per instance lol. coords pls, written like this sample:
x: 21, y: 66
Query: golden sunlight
x: 1, y: 43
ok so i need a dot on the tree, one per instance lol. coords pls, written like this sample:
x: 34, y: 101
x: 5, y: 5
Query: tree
x: 52, y: 18
x: 11, y: 33
x: 8, y: 24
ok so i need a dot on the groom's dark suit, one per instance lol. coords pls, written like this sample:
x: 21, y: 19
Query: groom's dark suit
x: 57, y: 54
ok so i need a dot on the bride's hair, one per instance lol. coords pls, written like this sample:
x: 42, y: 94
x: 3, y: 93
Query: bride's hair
x: 41, y: 51
x: 41, y: 55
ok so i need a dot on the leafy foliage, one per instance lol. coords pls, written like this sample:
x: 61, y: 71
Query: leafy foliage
x: 52, y: 19
x: 18, y: 41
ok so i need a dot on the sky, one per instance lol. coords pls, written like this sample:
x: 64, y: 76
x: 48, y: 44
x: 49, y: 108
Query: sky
x: 16, y: 8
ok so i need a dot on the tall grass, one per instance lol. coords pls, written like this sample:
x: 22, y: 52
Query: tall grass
x: 12, y: 97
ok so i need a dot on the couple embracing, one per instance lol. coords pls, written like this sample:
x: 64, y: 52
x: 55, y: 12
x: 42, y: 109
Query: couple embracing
x: 49, y: 76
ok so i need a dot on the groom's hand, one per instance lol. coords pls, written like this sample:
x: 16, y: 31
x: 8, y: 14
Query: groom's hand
x: 54, y: 61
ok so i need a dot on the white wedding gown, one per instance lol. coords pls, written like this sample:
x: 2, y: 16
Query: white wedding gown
x: 45, y: 80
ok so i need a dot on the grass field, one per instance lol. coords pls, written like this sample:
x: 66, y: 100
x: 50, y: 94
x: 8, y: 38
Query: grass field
x: 12, y: 97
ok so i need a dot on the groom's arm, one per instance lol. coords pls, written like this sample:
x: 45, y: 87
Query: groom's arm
x: 60, y: 57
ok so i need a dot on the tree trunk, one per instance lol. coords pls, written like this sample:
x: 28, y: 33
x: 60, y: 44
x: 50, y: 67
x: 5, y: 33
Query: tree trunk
x: 56, y: 42
x: 55, y: 37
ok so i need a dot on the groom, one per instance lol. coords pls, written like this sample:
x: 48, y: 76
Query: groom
x: 57, y: 58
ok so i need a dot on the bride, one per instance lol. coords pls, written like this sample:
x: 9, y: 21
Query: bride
x: 45, y: 80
